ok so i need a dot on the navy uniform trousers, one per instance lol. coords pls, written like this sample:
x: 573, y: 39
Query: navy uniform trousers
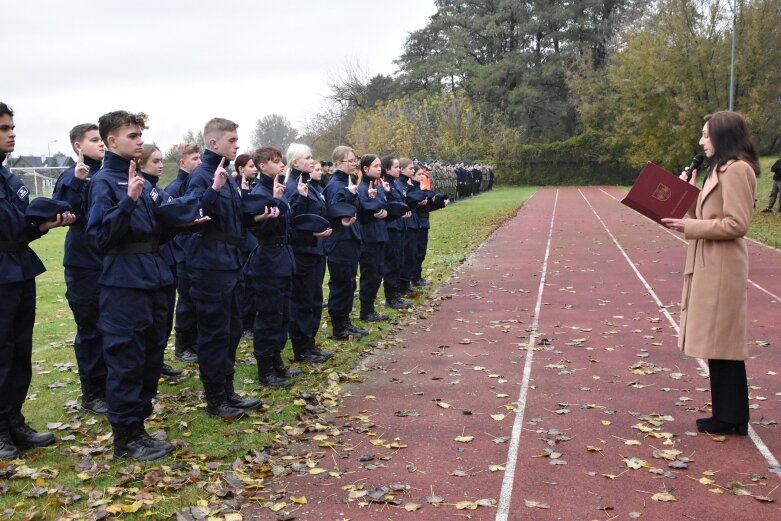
x: 372, y: 263
x: 17, y: 315
x: 132, y: 317
x: 83, y: 295
x: 343, y: 259
x: 272, y: 314
x: 306, y: 310
x: 410, y: 258
x: 394, y: 260
x: 215, y: 295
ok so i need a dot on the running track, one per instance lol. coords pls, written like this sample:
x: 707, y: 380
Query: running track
x: 554, y: 348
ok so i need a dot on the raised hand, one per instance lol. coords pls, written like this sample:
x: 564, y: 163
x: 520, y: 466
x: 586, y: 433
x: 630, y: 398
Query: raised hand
x: 220, y: 176
x: 352, y: 188
x: 372, y: 191
x: 303, y: 188
x: 82, y: 170
x: 385, y: 185
x: 279, y: 187
x: 135, y: 184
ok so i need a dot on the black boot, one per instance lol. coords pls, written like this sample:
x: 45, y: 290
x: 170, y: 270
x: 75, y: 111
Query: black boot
x: 714, y: 426
x: 7, y: 448
x: 356, y: 332
x: 235, y: 400
x: 308, y: 352
x: 132, y: 441
x: 184, y: 347
x: 169, y: 372
x: 420, y: 282
x: 217, y: 403
x: 340, y: 331
x: 267, y: 375
x: 282, y: 370
x: 394, y: 301
x: 24, y: 436
x: 93, y: 395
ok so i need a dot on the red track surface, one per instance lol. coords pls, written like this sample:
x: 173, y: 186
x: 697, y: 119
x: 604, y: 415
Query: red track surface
x: 604, y: 363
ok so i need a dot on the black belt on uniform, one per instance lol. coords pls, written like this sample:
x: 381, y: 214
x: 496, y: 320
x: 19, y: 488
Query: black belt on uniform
x: 132, y: 248
x: 12, y: 247
x: 219, y: 236
x: 279, y: 240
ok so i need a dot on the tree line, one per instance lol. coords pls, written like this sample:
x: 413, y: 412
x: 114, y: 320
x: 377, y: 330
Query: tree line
x: 575, y: 91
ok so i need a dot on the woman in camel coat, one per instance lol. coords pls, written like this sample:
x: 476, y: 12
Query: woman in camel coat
x: 713, y: 305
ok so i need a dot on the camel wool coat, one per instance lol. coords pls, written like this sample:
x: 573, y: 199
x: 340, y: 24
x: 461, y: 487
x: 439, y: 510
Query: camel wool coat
x: 713, y: 305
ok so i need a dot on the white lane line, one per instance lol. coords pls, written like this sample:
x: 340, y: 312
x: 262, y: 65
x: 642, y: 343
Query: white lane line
x: 760, y: 288
x: 760, y: 445
x: 503, y: 509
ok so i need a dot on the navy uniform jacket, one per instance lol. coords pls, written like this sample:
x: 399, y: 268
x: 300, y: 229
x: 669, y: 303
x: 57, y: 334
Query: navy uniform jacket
x: 306, y: 243
x: 215, y: 245
x: 397, y: 194
x: 16, y: 232
x: 120, y: 224
x: 372, y: 229
x: 167, y: 249
x: 435, y: 202
x: 336, y: 192
x: 249, y: 240
x: 176, y: 189
x: 80, y: 248
x: 401, y: 183
x: 272, y: 257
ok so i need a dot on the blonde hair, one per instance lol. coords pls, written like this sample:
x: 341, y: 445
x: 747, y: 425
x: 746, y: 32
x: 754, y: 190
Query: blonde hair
x: 340, y: 153
x: 294, y: 152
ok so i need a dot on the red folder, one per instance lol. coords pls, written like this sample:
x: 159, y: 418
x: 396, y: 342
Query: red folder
x: 657, y: 194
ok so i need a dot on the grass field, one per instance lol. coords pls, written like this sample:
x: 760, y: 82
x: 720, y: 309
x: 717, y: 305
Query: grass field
x: 78, y: 478
x: 766, y: 227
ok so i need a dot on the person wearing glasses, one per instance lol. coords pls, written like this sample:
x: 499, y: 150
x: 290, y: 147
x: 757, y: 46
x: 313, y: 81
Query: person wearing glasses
x: 343, y: 246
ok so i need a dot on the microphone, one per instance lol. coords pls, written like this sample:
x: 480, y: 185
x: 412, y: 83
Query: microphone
x: 694, y: 165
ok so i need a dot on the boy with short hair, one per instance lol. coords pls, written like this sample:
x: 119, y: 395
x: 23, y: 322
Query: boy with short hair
x: 83, y: 264
x: 19, y: 266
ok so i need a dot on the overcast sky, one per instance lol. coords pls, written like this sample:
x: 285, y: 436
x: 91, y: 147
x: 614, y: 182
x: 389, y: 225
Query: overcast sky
x: 183, y: 62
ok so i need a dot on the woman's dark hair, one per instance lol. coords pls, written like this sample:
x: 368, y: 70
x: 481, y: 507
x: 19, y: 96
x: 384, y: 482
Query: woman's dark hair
x: 366, y: 161
x: 731, y: 139
x: 387, y: 162
x: 241, y: 160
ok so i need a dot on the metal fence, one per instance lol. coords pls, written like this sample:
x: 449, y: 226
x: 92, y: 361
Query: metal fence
x: 40, y: 181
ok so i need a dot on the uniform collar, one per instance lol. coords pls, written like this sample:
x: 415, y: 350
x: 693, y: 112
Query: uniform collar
x: 266, y: 181
x: 182, y: 175
x: 152, y: 179
x: 113, y: 161
x: 212, y: 160
x: 93, y: 164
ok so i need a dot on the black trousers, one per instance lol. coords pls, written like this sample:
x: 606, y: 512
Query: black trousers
x: 185, y: 309
x: 133, y: 323
x: 371, y: 268
x: 341, y: 282
x: 272, y: 315
x: 729, y: 390
x: 83, y: 296
x: 17, y: 316
x: 410, y: 255
x: 394, y: 260
x: 306, y: 301
x: 420, y: 252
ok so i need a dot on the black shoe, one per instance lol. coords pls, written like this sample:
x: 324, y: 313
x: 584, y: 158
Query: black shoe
x: 236, y: 400
x: 267, y: 376
x: 7, y: 448
x: 186, y: 356
x: 341, y: 334
x: 169, y: 371
x: 397, y: 303
x: 356, y: 332
x: 224, y: 410
x: 767, y: 210
x: 714, y: 426
x: 374, y: 317
x: 94, y: 403
x: 155, y: 444
x: 281, y: 370
x: 703, y: 421
x: 311, y: 357
x: 132, y: 442
x: 24, y: 436
x: 420, y: 282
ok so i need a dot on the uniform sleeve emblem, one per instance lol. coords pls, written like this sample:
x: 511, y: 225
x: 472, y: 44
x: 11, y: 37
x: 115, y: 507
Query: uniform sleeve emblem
x: 22, y: 193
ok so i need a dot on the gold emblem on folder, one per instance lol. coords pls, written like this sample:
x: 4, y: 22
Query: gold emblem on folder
x: 662, y: 192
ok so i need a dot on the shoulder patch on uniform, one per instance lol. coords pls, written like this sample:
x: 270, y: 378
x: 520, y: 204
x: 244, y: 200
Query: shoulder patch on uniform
x: 23, y: 192
x: 170, y: 199
x: 153, y: 194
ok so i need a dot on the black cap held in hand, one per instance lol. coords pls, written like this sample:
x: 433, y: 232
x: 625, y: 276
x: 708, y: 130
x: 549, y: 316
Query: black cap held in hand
x: 43, y: 209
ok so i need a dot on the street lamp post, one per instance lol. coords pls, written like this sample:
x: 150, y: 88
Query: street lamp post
x: 732, y: 61
x: 48, y: 147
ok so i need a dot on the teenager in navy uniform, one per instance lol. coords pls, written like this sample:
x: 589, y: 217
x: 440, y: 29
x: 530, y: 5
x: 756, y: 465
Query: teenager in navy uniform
x: 372, y: 212
x: 246, y: 177
x: 214, y: 267
x: 135, y: 283
x: 306, y: 301
x: 434, y: 201
x: 19, y: 266
x: 394, y: 249
x: 343, y: 247
x: 188, y: 157
x: 269, y: 270
x: 83, y: 265
x: 411, y: 193
x: 150, y: 167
